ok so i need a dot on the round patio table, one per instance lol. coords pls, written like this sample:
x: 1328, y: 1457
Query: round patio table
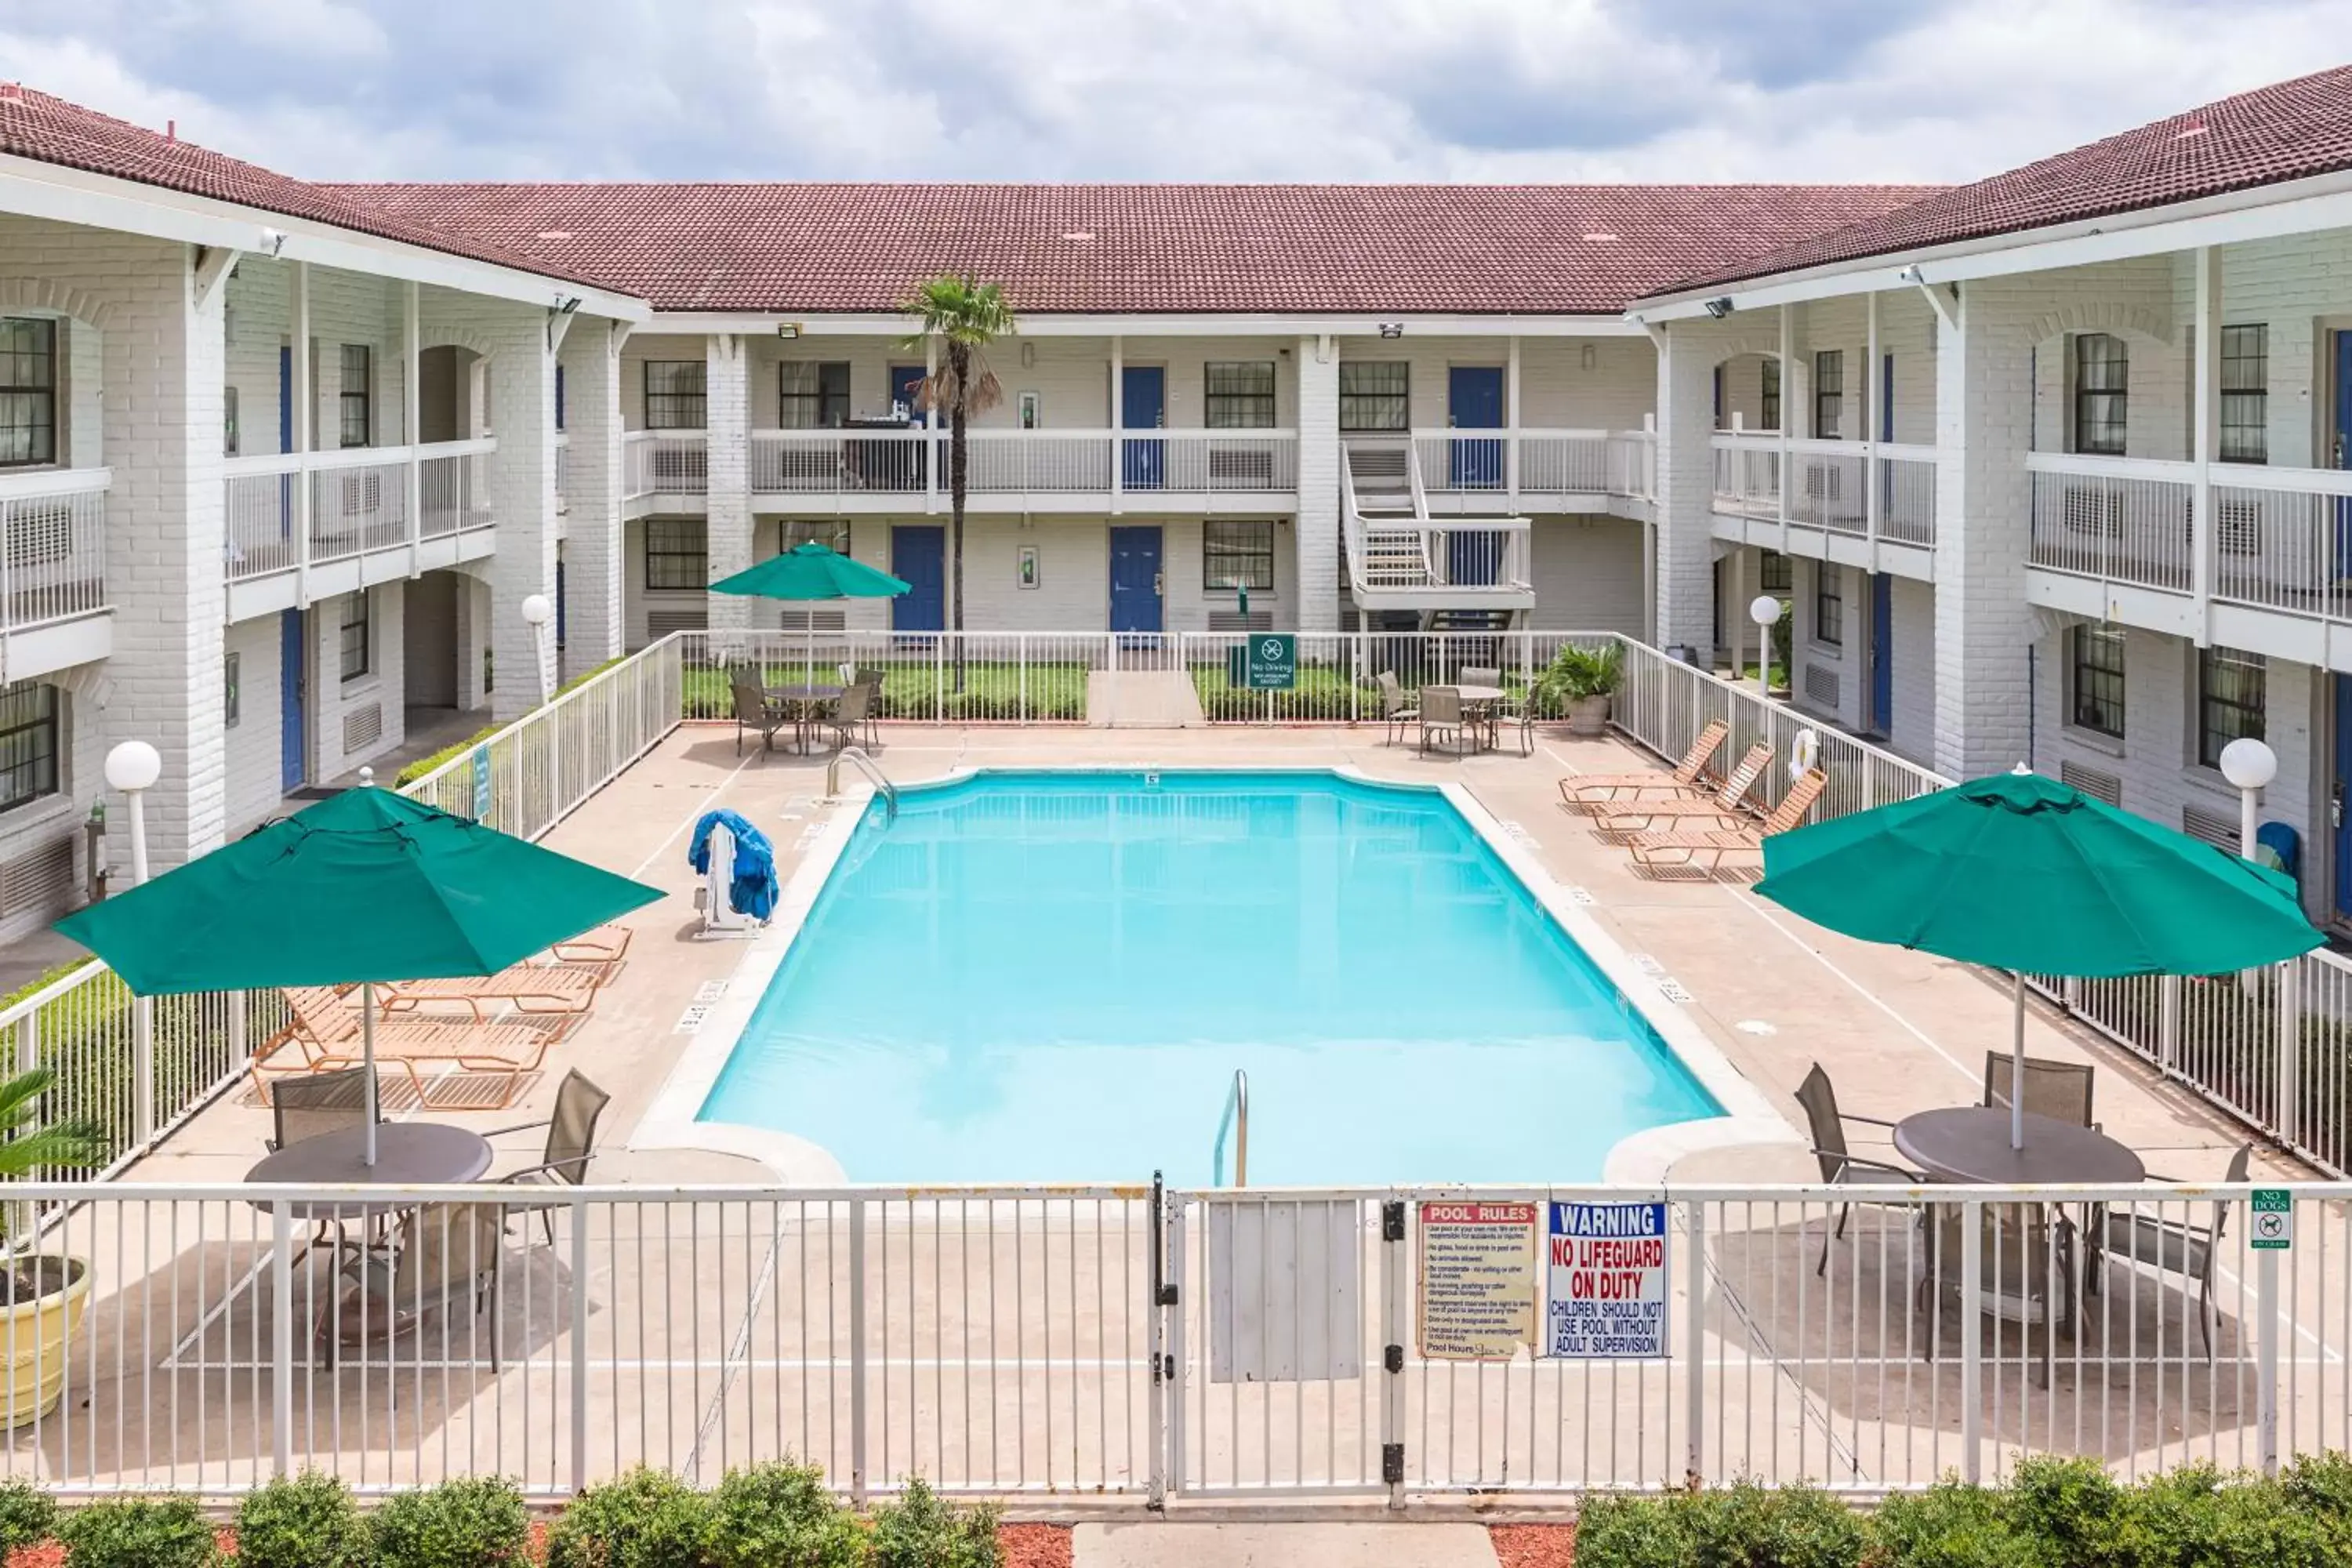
x: 1971, y: 1143
x: 407, y: 1154
x: 1476, y: 702
x: 805, y: 699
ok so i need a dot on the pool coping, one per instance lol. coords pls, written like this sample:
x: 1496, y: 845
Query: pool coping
x: 1640, y: 1158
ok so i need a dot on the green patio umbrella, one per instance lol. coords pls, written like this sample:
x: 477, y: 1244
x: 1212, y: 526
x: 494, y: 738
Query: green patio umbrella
x: 813, y: 570
x: 365, y: 886
x: 2023, y: 873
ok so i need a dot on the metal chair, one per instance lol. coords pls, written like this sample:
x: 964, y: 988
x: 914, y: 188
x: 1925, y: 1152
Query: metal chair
x: 1442, y: 714
x: 1479, y: 675
x: 571, y: 1145
x: 441, y: 1255
x: 754, y: 711
x: 853, y: 708
x: 2060, y: 1091
x: 1397, y: 709
x: 2025, y: 1267
x: 1840, y: 1166
x: 2173, y: 1247
x: 319, y: 1103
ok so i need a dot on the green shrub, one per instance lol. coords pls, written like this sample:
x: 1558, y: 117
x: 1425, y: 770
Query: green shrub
x: 1952, y: 1525
x: 1807, y: 1528
x: 27, y: 1516
x: 477, y: 1521
x: 780, y: 1515
x: 919, y: 1531
x: 1631, y: 1532
x: 2072, y: 1505
x: 646, y: 1519
x: 167, y: 1531
x: 2194, y: 1518
x: 303, y: 1521
x: 2322, y: 1482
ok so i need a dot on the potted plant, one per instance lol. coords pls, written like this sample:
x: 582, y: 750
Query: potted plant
x: 1578, y: 682
x: 42, y: 1295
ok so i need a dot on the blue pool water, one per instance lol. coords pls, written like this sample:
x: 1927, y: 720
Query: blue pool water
x: 1053, y: 977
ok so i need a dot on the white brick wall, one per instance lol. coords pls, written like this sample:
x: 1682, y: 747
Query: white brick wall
x: 253, y: 750
x: 593, y: 544
x: 1914, y: 677
x: 1318, y: 542
x: 383, y: 687
x: 728, y: 506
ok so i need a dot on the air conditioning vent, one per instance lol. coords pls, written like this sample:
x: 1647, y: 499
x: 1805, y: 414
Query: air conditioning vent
x: 1824, y: 481
x: 660, y: 624
x: 39, y: 880
x: 1245, y: 470
x: 680, y: 470
x: 2094, y: 512
x: 363, y: 493
x: 2239, y: 530
x: 1822, y: 686
x: 2092, y: 782
x: 1235, y: 621
x: 39, y: 533
x: 813, y: 620
x: 363, y: 727
x: 2214, y: 827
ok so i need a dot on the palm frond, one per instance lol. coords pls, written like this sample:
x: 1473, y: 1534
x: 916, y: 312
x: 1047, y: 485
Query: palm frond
x: 26, y: 1149
x: 960, y: 310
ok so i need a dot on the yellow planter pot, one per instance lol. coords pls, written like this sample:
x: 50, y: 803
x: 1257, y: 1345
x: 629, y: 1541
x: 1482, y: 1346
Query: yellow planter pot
x: 33, y: 1340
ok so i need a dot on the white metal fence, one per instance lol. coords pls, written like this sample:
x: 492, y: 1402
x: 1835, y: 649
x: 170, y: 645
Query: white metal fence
x: 285, y: 510
x: 52, y: 546
x: 1115, y: 1343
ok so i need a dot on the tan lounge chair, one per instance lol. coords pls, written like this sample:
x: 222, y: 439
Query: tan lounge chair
x: 1728, y: 804
x: 526, y: 988
x: 325, y: 1036
x: 1717, y: 842
x: 1587, y: 793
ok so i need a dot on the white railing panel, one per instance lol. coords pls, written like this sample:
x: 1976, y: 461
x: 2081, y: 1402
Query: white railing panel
x: 1829, y: 491
x: 1906, y: 494
x: 664, y: 462
x: 52, y: 546
x: 453, y: 480
x: 2128, y: 522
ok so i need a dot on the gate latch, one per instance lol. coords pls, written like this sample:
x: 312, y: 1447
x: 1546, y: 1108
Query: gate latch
x: 1392, y: 1357
x: 1392, y: 1220
x: 1392, y: 1464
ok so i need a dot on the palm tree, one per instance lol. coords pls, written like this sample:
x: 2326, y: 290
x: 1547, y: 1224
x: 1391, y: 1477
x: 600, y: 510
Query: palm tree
x: 966, y: 315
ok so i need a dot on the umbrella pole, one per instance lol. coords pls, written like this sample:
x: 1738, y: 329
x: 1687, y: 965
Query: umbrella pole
x: 2017, y: 1068
x: 367, y: 1054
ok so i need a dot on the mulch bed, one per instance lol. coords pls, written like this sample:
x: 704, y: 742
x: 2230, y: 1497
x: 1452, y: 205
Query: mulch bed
x: 1533, y: 1545
x: 1035, y: 1546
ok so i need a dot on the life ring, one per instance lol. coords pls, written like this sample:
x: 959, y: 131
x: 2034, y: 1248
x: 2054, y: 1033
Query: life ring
x: 1804, y: 754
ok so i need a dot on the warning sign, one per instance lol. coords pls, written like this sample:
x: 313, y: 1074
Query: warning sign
x: 1605, y: 1292
x: 2273, y: 1225
x: 1477, y: 1280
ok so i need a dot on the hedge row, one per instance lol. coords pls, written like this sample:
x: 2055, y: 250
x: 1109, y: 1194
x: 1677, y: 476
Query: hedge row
x: 2054, y: 1513
x: 771, y: 1516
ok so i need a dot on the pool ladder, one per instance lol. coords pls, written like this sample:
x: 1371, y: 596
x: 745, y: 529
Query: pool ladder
x: 1235, y: 1121
x: 865, y: 764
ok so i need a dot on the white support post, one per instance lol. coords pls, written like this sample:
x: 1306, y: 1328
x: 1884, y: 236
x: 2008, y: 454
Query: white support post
x: 1117, y: 426
x: 2203, y: 536
x: 933, y: 456
x: 1694, y: 1338
x: 412, y: 332
x: 2290, y: 1052
x: 1511, y: 422
x: 304, y: 416
x: 1789, y: 406
x: 1873, y: 417
x: 1971, y: 1341
x: 857, y: 1352
x: 2168, y: 1022
x: 1179, y: 1353
x: 281, y: 1337
x: 2266, y: 1358
x: 578, y: 1346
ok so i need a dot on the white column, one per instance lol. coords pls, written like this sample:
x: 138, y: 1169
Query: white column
x: 727, y: 389
x: 1683, y: 507
x: 1511, y: 421
x: 1317, y: 533
x: 2206, y: 438
x: 593, y: 626
x: 520, y: 375
x: 1793, y: 400
x: 1117, y: 423
x: 1873, y: 417
x: 411, y: 399
x: 305, y: 415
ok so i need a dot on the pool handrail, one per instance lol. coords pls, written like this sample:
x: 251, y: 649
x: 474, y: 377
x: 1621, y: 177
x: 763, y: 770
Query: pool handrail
x: 1235, y: 1119
x: 871, y: 769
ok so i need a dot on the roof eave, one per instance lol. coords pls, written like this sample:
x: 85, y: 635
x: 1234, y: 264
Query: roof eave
x: 1170, y: 324
x: 66, y: 195
x: 2255, y: 212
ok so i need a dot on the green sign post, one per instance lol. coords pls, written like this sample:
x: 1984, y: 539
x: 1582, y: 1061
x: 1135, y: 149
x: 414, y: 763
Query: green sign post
x: 2274, y: 1227
x: 1273, y: 661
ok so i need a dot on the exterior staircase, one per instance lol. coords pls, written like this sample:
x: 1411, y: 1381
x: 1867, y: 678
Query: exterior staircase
x: 1473, y: 572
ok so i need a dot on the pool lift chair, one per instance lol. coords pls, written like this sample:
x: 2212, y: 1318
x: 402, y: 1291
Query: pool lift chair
x: 721, y: 920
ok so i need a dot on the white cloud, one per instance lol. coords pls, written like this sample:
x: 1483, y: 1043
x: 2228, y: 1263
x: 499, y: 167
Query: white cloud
x: 1658, y: 89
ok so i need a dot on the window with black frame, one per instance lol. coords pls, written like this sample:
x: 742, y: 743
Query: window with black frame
x: 1773, y: 572
x: 2232, y: 689
x: 1238, y: 394
x: 675, y: 398
x: 29, y: 743
x: 1829, y: 605
x: 2102, y: 395
x: 355, y: 636
x: 28, y: 391
x: 1236, y: 554
x: 1769, y: 410
x: 2245, y: 395
x: 2096, y: 682
x: 677, y: 554
x: 813, y: 395
x: 1375, y: 396
x: 1829, y: 395
x: 833, y: 533
x: 355, y: 399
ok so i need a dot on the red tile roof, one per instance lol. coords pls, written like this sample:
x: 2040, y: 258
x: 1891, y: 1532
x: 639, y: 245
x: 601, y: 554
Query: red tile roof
x: 2290, y: 130
x: 50, y: 130
x: 1523, y: 250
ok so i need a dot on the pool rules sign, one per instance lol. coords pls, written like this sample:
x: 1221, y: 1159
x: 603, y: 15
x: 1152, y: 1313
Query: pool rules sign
x: 1605, y: 1295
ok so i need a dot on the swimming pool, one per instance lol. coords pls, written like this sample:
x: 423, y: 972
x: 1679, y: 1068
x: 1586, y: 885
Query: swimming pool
x: 1053, y: 977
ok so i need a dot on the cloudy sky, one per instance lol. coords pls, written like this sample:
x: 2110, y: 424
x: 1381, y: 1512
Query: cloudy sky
x: 1371, y: 90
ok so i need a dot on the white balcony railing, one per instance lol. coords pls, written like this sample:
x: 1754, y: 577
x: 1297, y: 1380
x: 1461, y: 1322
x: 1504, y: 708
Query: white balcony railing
x: 1859, y: 489
x: 1470, y: 557
x: 53, y: 565
x: 1024, y: 462
x: 358, y: 502
x: 664, y: 462
x: 2123, y: 520
x: 1534, y: 462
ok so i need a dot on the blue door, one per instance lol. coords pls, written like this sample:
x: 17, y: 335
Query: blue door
x: 2338, y: 787
x: 1882, y: 653
x: 1474, y: 401
x: 918, y: 557
x: 905, y: 380
x: 1143, y: 405
x: 293, y: 685
x: 1135, y: 578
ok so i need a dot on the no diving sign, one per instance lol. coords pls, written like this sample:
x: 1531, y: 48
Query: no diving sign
x: 2274, y: 1227
x: 1605, y: 1282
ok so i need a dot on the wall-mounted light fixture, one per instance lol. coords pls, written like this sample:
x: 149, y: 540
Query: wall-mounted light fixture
x: 1590, y: 357
x: 273, y: 240
x: 1391, y: 329
x: 1719, y: 309
x: 1028, y: 352
x: 566, y: 304
x: 788, y: 329
x: 1910, y: 275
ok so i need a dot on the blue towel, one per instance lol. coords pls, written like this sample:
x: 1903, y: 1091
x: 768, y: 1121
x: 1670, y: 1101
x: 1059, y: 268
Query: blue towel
x: 753, y: 887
